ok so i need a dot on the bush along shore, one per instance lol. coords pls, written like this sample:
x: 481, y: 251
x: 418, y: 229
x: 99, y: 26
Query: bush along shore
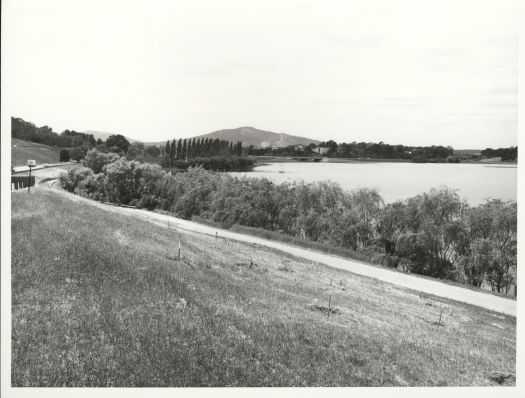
x: 215, y: 163
x: 435, y: 234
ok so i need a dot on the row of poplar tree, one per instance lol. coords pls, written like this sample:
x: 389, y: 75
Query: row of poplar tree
x: 200, y: 148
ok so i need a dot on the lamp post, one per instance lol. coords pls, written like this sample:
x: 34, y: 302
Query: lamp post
x: 31, y: 164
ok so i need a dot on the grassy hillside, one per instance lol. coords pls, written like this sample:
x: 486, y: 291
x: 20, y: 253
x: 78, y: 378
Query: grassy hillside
x: 25, y: 150
x: 100, y: 299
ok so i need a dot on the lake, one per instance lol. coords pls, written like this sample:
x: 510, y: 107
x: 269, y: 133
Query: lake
x: 474, y: 182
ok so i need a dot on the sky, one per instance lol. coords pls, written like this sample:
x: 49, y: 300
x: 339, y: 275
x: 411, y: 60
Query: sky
x: 397, y: 71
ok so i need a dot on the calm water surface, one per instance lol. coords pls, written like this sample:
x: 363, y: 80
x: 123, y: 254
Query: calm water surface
x: 474, y: 182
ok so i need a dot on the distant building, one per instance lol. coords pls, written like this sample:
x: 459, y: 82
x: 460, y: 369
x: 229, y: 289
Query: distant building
x: 281, y: 140
x: 322, y: 150
x: 299, y: 147
x: 265, y: 144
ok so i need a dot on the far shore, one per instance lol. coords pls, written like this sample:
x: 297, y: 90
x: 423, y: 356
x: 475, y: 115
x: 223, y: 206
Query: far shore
x: 264, y: 160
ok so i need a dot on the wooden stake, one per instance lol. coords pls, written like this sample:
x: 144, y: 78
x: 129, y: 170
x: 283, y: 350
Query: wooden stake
x: 178, y: 255
x: 158, y: 331
x: 29, y: 185
x: 329, y: 304
x: 441, y: 313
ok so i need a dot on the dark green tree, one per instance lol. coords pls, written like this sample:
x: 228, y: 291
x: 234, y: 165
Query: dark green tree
x: 179, y: 149
x: 152, y: 151
x: 117, y: 143
x: 173, y: 151
x: 77, y: 153
x: 64, y: 155
x: 184, y: 153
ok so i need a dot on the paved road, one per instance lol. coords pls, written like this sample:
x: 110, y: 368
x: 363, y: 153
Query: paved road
x: 21, y: 169
x: 429, y: 286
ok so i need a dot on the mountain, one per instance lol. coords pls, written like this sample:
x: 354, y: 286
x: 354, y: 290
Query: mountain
x: 248, y: 136
x: 258, y: 138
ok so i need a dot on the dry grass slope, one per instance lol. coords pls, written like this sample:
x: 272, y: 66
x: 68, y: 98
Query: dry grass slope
x: 31, y: 150
x: 101, y: 300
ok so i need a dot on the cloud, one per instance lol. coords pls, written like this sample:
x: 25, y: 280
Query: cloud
x: 444, y: 52
x: 404, y: 103
x: 371, y: 69
x: 500, y: 103
x: 206, y: 69
x: 502, y: 90
x: 361, y: 42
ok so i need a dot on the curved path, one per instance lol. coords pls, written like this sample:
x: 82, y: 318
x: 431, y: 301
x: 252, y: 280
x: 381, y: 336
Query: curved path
x: 434, y: 287
x: 411, y: 281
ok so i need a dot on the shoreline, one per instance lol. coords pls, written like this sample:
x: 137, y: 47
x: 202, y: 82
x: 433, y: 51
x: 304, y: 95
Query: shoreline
x: 266, y: 160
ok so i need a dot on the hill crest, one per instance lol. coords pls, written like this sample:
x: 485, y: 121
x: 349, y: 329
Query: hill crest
x: 247, y: 134
x: 103, y: 135
x: 258, y: 138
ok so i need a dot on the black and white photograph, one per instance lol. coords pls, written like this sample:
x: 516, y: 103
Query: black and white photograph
x: 261, y: 197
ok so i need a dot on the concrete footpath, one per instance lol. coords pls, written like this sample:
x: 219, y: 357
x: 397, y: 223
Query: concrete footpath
x: 411, y: 281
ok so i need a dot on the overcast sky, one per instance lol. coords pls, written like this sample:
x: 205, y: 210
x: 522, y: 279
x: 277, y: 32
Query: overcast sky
x: 407, y: 72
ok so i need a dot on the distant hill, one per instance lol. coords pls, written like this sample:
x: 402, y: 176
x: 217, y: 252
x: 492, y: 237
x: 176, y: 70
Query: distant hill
x: 104, y: 136
x: 22, y: 150
x: 258, y: 138
x: 248, y: 136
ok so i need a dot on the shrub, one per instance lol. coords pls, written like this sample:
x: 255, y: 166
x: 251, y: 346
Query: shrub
x: 78, y: 153
x: 93, y: 187
x: 96, y: 160
x: 64, y: 155
x: 73, y: 177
